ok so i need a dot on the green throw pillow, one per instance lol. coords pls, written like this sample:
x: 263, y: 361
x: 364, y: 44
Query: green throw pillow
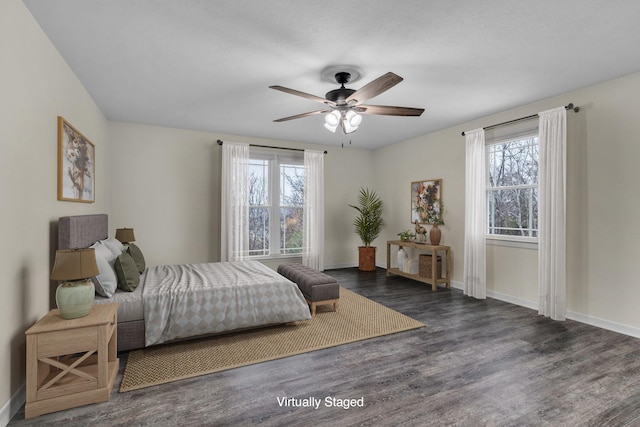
x: 137, y: 256
x: 127, y: 272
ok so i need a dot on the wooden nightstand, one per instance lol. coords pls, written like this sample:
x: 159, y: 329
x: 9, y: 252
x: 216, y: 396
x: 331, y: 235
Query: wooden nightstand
x: 71, y: 362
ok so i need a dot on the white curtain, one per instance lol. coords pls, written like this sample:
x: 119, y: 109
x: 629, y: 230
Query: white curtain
x: 475, y: 216
x: 234, y: 216
x: 552, y: 213
x: 313, y: 240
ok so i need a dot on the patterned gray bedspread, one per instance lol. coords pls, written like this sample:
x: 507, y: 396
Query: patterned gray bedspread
x: 187, y: 300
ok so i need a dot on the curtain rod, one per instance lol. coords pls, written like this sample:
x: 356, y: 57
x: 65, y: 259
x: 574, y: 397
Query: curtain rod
x: 567, y: 107
x: 220, y: 142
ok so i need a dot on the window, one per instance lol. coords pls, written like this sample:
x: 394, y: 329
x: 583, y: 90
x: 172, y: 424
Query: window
x: 276, y: 203
x: 512, y: 187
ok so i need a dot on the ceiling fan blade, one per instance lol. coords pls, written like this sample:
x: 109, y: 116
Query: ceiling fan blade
x: 302, y: 94
x: 299, y: 116
x: 375, y: 88
x: 385, y: 110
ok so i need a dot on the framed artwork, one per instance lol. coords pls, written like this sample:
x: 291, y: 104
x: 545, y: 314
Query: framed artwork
x: 76, y: 165
x: 426, y: 201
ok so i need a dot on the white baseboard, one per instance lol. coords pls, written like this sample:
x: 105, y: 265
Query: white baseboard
x: 457, y: 285
x: 351, y: 265
x: 533, y: 305
x: 336, y: 266
x: 572, y: 315
x: 12, y: 406
x: 513, y: 300
x: 604, y: 324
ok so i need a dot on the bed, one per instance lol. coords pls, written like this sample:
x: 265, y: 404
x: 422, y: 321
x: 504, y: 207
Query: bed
x: 176, y: 302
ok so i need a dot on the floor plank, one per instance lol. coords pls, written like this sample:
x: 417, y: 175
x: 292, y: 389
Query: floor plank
x: 477, y: 363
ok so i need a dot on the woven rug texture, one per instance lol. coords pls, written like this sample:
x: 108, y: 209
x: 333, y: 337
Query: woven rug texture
x: 358, y: 318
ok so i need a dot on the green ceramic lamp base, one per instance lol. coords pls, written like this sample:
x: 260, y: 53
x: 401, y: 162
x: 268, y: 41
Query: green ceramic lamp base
x: 74, y: 299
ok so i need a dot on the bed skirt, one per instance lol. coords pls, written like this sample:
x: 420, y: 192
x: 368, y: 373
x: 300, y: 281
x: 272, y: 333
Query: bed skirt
x: 130, y: 335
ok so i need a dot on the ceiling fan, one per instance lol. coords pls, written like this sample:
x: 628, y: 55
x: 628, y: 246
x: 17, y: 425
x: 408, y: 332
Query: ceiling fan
x: 345, y: 106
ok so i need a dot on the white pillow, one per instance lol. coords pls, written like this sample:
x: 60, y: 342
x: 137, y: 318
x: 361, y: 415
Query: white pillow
x: 104, y: 251
x: 114, y: 246
x: 106, y: 282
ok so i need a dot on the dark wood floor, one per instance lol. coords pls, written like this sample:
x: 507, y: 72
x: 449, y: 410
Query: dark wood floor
x: 477, y: 363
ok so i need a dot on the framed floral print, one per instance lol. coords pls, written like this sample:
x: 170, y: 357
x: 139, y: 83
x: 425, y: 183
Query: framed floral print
x: 426, y: 202
x: 76, y: 165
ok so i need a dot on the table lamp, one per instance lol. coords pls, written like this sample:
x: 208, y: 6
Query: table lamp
x: 75, y: 294
x: 125, y: 235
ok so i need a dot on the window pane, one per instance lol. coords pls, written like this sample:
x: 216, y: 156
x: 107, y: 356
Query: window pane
x: 513, y: 212
x: 291, y: 185
x: 258, y: 207
x: 258, y: 231
x: 258, y: 182
x: 513, y: 163
x: 291, y: 208
x: 291, y: 229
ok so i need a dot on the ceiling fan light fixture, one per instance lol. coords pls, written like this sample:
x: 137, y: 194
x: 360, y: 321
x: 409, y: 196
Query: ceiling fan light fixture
x: 332, y: 119
x: 347, y: 127
x: 353, y: 118
x: 331, y: 128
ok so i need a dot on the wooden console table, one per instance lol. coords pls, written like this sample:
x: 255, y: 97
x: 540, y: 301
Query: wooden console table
x: 434, y: 260
x: 71, y: 362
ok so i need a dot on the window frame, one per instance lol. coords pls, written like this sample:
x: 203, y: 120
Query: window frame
x: 275, y: 159
x: 501, y: 136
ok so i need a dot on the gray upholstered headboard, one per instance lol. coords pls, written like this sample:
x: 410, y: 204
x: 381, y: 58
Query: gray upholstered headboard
x: 82, y: 231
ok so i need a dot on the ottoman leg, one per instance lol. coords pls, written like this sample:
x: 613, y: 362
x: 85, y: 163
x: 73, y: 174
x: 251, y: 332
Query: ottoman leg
x: 312, y: 306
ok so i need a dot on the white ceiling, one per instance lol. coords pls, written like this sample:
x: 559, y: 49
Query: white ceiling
x: 207, y: 65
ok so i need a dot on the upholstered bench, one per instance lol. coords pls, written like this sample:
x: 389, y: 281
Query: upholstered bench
x: 318, y: 288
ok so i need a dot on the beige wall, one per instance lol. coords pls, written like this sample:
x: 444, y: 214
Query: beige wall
x: 166, y: 185
x: 36, y: 87
x: 602, y: 177
x: 433, y: 156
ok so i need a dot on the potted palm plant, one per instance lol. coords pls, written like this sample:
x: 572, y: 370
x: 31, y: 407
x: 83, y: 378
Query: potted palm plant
x: 368, y: 225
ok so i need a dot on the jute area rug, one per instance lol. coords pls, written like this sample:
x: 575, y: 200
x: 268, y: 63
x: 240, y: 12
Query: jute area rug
x: 358, y: 318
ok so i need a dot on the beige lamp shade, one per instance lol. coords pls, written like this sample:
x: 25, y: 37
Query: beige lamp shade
x: 74, y: 264
x: 125, y: 235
